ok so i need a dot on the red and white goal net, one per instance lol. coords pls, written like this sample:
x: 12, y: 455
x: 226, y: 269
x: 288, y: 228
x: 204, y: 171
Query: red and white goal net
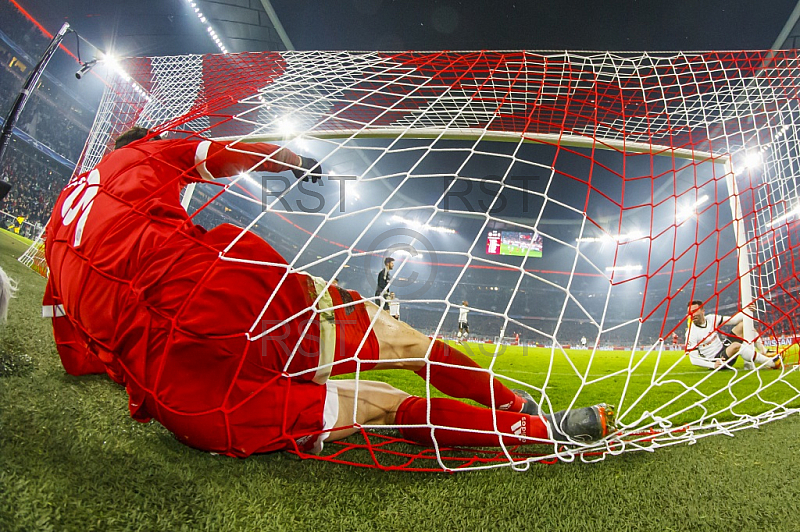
x: 620, y: 185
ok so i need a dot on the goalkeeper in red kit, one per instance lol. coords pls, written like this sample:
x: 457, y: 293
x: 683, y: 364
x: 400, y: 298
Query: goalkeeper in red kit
x: 214, y: 335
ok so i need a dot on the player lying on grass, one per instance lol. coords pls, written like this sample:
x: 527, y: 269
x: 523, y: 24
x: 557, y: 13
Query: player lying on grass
x: 176, y: 313
x: 706, y: 349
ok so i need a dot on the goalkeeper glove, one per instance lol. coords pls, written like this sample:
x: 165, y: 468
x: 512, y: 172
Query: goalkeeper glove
x: 309, y: 168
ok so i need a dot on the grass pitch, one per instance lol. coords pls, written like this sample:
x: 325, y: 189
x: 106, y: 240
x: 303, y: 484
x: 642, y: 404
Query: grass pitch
x: 72, y: 459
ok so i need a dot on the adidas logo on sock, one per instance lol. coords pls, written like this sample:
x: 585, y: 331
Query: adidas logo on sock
x: 506, y: 406
x: 520, y: 428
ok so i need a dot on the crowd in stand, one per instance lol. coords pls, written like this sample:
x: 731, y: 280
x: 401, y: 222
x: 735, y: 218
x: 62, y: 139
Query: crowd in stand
x: 49, y: 116
x: 36, y: 182
x: 52, y: 117
x: 20, y: 30
x: 10, y: 82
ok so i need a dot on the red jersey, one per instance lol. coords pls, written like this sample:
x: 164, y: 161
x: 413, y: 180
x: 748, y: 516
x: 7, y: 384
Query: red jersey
x: 171, y: 311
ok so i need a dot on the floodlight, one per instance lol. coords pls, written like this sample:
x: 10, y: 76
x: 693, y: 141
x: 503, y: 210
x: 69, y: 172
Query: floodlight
x: 752, y: 159
x: 286, y: 126
x: 625, y: 268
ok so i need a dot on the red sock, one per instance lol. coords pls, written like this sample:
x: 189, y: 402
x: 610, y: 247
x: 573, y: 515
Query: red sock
x: 457, y: 415
x: 457, y: 381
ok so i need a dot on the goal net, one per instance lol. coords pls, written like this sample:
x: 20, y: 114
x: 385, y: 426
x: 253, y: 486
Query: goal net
x: 565, y: 195
x: 34, y: 258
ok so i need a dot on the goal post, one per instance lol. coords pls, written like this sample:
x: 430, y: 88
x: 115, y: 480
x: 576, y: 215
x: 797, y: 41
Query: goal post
x: 33, y: 257
x: 744, y: 266
x: 565, y: 195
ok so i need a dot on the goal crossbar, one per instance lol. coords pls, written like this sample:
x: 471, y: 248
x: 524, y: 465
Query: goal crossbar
x: 475, y: 134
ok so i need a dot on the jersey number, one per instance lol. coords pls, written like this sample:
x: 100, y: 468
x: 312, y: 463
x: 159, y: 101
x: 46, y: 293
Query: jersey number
x: 79, y: 203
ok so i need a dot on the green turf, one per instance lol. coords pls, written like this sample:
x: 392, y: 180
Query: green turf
x: 657, y: 379
x: 15, y: 236
x: 72, y: 459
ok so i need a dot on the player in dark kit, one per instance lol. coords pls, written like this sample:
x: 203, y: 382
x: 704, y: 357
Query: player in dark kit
x: 214, y: 335
x: 382, y: 287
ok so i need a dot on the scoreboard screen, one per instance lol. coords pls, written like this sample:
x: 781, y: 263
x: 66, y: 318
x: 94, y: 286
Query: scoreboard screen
x: 514, y: 243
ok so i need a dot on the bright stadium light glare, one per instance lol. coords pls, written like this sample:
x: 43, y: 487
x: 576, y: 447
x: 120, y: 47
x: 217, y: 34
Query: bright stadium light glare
x: 630, y: 236
x: 413, y: 224
x: 247, y: 178
x: 440, y: 229
x: 684, y: 213
x: 419, y: 226
x: 286, y: 126
x: 303, y: 145
x: 791, y: 214
x: 625, y: 268
x: 401, y: 220
x: 208, y: 26
x: 604, y: 239
x: 111, y: 61
x: 622, y: 238
x: 752, y: 159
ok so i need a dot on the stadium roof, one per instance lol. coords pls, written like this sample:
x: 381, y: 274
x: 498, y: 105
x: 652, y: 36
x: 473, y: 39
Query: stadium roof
x: 789, y: 38
x: 171, y: 27
x: 162, y: 27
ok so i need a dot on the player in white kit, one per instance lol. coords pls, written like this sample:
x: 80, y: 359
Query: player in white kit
x: 706, y: 349
x: 394, y: 306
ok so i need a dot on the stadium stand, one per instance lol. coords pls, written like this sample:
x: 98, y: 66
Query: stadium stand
x: 50, y: 134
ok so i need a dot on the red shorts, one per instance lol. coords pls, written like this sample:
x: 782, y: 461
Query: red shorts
x: 356, y: 344
x: 211, y: 332
x: 267, y: 408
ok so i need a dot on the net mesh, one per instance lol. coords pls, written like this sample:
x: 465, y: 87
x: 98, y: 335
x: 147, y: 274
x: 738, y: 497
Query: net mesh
x: 33, y: 257
x: 650, y: 179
